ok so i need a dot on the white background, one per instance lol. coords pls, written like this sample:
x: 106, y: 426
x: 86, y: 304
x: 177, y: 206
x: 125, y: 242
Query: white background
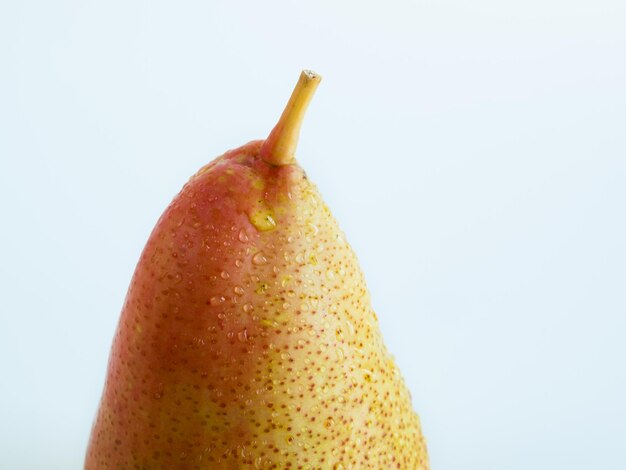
x: 473, y: 151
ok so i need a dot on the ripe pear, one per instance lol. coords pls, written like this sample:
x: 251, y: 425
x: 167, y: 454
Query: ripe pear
x: 247, y: 338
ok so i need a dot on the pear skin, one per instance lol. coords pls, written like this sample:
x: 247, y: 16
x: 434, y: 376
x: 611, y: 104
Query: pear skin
x: 247, y: 338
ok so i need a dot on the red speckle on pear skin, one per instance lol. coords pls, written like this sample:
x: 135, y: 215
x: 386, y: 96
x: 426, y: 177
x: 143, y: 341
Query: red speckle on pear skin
x: 246, y: 342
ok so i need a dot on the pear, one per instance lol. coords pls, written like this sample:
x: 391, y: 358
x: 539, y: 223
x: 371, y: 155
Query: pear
x: 247, y: 338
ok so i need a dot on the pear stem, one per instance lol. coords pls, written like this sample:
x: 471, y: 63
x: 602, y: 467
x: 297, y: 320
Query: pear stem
x: 280, y: 147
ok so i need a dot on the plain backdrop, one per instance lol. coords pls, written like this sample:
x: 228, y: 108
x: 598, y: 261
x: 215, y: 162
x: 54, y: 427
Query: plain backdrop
x: 474, y: 153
